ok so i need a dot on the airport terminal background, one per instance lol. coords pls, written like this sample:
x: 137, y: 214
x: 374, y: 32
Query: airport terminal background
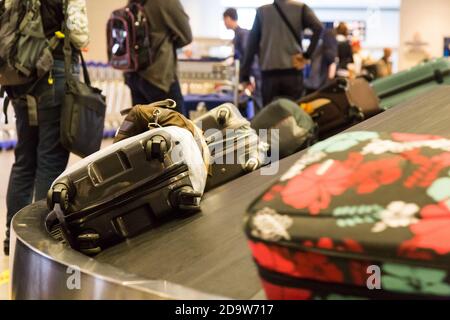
x: 414, y: 29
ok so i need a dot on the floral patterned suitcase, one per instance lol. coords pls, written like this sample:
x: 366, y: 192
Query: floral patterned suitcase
x: 360, y: 215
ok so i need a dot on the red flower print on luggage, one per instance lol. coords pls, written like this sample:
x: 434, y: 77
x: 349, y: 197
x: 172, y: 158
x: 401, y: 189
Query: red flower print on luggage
x: 302, y: 265
x: 358, y: 272
x: 411, y: 137
x: 344, y: 245
x: 316, y: 266
x: 272, y: 193
x: 315, y: 187
x: 352, y: 204
x: 272, y: 258
x: 428, y: 168
x: 351, y: 245
x: 274, y: 292
x: 370, y: 176
x: 414, y: 254
x: 432, y: 231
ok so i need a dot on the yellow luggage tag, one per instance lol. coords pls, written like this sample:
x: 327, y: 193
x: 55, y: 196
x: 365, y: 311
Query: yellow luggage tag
x: 60, y: 35
x: 311, y: 107
x: 51, y: 80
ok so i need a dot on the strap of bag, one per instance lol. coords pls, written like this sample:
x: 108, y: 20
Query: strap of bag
x: 288, y: 24
x: 86, y: 76
x: 68, y: 52
x: 5, y: 103
x: 168, y: 104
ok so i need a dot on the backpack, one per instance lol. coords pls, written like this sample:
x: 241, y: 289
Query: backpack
x: 128, y: 35
x: 25, y: 53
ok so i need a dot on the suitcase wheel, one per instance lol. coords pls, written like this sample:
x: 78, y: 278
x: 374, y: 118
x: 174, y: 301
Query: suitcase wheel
x: 88, y: 243
x: 88, y: 237
x: 342, y: 83
x: 156, y: 148
x: 91, y: 252
x: 59, y: 194
x: 252, y: 165
x: 57, y: 233
x: 356, y: 114
x: 223, y: 115
x: 186, y: 198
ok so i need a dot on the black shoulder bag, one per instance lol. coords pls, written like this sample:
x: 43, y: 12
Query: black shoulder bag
x: 84, y: 109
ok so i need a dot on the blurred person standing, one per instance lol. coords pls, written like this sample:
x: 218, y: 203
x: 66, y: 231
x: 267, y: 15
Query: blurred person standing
x: 170, y: 30
x: 384, y: 65
x: 230, y: 20
x: 276, y: 37
x: 240, y: 42
x: 323, y: 60
x: 345, y: 51
x: 356, y: 67
x: 39, y: 155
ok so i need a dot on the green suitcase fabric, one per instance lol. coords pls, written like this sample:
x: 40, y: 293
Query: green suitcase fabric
x: 402, y: 86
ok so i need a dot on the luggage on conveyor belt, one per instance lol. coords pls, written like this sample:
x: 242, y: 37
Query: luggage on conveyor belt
x: 361, y: 215
x: 224, y: 117
x: 290, y: 128
x: 235, y: 147
x: 141, y: 118
x: 341, y: 104
x: 128, y: 188
x: 408, y: 84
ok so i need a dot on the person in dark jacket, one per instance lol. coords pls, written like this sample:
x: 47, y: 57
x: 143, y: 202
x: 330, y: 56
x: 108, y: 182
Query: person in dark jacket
x: 39, y: 156
x: 230, y: 19
x: 240, y: 42
x: 276, y: 47
x: 170, y: 30
x: 323, y: 58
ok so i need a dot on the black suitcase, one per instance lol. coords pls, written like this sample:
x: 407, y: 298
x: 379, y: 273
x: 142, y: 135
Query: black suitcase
x: 341, y: 104
x: 127, y: 188
x: 235, y: 147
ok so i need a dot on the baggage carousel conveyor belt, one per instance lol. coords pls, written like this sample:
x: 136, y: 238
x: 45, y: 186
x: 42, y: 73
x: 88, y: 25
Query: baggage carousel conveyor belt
x: 201, y: 257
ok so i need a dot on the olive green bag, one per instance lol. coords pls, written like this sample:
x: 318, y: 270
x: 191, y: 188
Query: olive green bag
x: 25, y: 52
